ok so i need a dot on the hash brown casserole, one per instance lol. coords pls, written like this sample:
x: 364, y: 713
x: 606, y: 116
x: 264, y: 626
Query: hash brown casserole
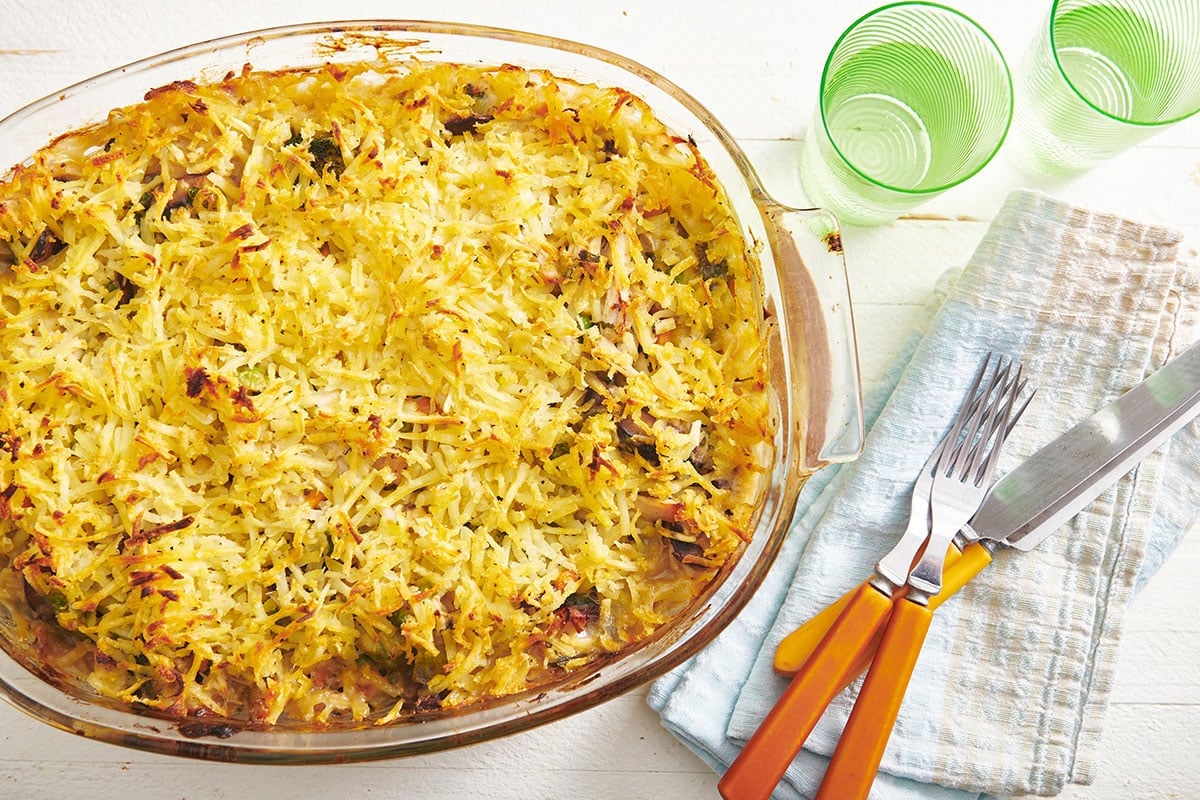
x: 340, y: 394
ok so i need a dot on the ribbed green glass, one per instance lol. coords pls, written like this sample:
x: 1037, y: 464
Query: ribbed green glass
x: 915, y: 98
x: 1101, y: 77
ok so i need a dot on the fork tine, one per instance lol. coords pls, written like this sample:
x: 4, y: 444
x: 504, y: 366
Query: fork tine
x: 1003, y: 425
x: 981, y: 411
x: 974, y: 442
x: 950, y: 449
x: 1016, y: 415
x: 968, y: 409
x: 987, y: 448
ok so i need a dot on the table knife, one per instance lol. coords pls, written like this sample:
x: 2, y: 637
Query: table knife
x: 1047, y: 489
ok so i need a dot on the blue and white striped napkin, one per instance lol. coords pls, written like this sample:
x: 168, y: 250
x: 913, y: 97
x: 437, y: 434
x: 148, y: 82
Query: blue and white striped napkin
x: 1009, y: 694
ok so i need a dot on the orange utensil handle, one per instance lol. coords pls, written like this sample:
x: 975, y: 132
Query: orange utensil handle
x: 755, y: 772
x: 856, y: 760
x: 798, y: 645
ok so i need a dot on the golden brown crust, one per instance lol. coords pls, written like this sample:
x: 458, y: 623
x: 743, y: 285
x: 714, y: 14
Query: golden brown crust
x: 341, y: 394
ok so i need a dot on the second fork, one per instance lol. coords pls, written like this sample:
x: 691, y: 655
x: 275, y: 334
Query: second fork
x: 965, y: 457
x: 957, y: 491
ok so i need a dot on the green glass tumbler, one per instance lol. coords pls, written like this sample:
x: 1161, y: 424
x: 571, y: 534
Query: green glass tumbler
x: 1101, y: 76
x: 915, y: 98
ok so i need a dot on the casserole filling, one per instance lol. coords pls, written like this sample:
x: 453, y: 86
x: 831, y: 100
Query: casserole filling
x: 355, y: 394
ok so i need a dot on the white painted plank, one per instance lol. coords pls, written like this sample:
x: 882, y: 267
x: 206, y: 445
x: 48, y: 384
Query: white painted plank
x: 755, y: 64
x: 1148, y: 753
x: 223, y: 782
x: 1151, y: 182
x: 599, y: 754
x: 1159, y: 669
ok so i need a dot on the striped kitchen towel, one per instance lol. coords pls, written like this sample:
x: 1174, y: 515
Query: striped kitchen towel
x: 1009, y: 694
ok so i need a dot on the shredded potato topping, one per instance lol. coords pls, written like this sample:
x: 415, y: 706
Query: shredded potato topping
x: 348, y: 394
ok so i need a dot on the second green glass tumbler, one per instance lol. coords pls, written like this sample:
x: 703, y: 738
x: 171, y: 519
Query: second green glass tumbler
x: 1101, y: 77
x: 915, y: 98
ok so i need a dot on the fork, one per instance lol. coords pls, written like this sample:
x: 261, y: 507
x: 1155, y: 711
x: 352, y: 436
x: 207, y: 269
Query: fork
x: 956, y: 475
x: 797, y: 646
x: 958, y: 488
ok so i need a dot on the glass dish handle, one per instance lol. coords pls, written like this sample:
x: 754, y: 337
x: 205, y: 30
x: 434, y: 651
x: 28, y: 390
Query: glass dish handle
x: 818, y: 324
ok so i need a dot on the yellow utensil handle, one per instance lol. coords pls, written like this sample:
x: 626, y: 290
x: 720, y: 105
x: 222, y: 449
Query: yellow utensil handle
x: 856, y: 760
x: 959, y: 573
x: 798, y: 645
x: 754, y: 774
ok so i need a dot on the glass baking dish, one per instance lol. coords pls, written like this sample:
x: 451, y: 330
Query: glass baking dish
x: 814, y: 369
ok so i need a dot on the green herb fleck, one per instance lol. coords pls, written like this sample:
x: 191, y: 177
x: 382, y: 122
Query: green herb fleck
x: 711, y: 269
x: 146, y: 201
x: 580, y: 600
x: 326, y: 155
x: 253, y: 378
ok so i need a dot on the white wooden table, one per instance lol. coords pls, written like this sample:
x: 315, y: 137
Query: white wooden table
x: 756, y: 65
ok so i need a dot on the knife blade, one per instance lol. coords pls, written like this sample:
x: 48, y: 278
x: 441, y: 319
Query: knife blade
x: 1048, y: 488
x: 1057, y: 482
